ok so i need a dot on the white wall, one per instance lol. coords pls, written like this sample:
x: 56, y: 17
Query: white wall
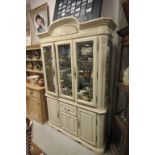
x: 110, y: 8
x: 113, y: 9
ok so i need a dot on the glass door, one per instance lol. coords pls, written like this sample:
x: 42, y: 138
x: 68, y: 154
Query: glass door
x: 49, y: 64
x: 86, y: 70
x: 65, y: 69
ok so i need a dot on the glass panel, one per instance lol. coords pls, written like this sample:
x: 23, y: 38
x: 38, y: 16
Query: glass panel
x: 49, y: 68
x: 85, y: 70
x: 124, y: 74
x: 65, y: 69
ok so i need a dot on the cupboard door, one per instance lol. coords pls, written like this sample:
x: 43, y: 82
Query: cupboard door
x: 87, y: 126
x: 69, y: 123
x: 65, y: 69
x: 49, y: 66
x: 86, y: 70
x: 53, y: 111
x: 34, y: 108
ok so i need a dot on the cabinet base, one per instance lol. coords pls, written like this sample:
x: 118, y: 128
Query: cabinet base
x: 99, y: 151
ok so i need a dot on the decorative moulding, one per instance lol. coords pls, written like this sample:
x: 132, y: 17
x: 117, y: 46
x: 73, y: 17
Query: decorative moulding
x: 71, y: 25
x: 64, y: 26
x: 98, y: 22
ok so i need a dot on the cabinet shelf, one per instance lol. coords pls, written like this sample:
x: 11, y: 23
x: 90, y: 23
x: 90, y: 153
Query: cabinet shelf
x: 34, y: 60
x: 34, y: 71
x: 123, y: 87
x: 120, y: 122
x: 33, y: 47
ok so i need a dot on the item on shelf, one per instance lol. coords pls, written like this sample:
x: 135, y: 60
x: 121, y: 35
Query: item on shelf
x: 126, y: 76
x: 29, y: 65
x: 62, y: 73
x: 33, y: 79
x: 62, y: 83
x: 65, y: 91
x: 86, y: 50
x: 41, y: 82
x: 123, y: 115
x: 90, y: 60
x: 85, y: 98
x: 36, y: 54
x: 29, y: 56
x: 37, y: 66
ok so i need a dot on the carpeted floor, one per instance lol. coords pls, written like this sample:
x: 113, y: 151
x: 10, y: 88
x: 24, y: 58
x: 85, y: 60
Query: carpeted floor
x: 53, y: 142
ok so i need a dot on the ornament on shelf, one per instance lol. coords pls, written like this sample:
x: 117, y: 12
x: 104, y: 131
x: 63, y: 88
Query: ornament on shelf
x: 126, y: 76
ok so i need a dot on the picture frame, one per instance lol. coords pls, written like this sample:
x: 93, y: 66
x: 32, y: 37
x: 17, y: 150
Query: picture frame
x: 28, y: 25
x: 40, y: 21
x: 88, y: 9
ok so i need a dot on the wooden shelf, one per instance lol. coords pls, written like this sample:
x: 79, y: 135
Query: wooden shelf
x: 33, y: 59
x: 120, y: 122
x: 33, y: 47
x: 34, y: 71
x: 123, y: 87
x: 35, y: 86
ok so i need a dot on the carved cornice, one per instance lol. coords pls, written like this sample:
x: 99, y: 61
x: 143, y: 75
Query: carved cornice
x: 98, y: 22
x: 71, y: 25
x: 66, y: 22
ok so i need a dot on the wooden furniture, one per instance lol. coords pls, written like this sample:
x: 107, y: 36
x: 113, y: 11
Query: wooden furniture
x: 36, y: 106
x: 76, y: 61
x: 34, y: 60
x: 120, y: 109
x: 36, y: 102
x: 28, y: 136
x: 35, y: 150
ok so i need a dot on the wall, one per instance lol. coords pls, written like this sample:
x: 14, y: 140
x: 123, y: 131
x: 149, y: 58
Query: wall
x: 110, y: 8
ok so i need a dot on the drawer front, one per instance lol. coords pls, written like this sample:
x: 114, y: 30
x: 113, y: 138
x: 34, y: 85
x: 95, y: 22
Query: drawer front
x: 33, y: 93
x: 68, y: 109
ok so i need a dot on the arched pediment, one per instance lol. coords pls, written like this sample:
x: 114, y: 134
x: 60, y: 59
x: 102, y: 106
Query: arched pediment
x: 65, y: 26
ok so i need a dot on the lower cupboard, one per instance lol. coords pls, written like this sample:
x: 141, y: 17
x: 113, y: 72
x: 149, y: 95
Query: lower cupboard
x: 69, y: 123
x: 83, y: 125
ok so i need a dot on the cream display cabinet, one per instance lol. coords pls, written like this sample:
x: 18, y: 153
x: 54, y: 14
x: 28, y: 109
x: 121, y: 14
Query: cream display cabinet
x: 76, y: 59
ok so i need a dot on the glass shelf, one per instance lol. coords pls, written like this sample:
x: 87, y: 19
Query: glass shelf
x: 34, y: 71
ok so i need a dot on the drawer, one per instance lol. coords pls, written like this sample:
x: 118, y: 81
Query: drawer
x: 68, y: 109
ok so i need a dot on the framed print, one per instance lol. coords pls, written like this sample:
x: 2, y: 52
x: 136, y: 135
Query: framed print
x: 40, y: 20
x: 28, y: 26
x: 84, y: 10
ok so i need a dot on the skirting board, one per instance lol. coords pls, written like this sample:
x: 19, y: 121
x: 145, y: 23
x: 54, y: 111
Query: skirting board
x: 99, y: 151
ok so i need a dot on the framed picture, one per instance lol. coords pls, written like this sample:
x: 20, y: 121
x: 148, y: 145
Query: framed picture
x: 40, y: 20
x: 28, y: 26
x: 84, y: 10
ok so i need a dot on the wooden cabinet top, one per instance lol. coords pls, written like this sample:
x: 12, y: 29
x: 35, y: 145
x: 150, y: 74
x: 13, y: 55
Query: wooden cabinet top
x: 35, y: 87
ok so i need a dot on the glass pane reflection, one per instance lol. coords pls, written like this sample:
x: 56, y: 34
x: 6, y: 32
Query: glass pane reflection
x: 65, y: 69
x: 85, y: 70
